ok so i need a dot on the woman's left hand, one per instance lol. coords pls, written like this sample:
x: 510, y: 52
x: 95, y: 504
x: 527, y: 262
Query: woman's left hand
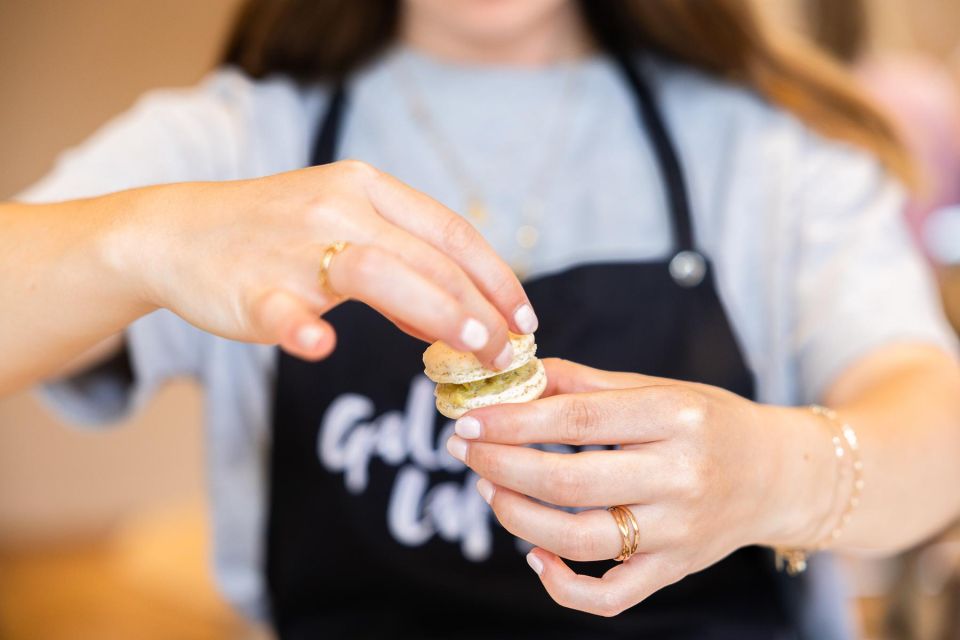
x: 704, y: 471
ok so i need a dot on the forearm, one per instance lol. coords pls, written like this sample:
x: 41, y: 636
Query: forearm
x: 905, y: 409
x: 62, y: 291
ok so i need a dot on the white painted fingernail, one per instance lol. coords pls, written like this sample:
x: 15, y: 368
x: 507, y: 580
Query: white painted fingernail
x: 486, y: 489
x: 308, y: 337
x: 457, y: 448
x: 467, y: 427
x: 474, y: 335
x: 503, y: 360
x: 526, y: 319
x: 535, y: 563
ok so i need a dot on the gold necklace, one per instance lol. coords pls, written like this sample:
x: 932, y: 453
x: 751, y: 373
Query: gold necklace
x: 527, y: 234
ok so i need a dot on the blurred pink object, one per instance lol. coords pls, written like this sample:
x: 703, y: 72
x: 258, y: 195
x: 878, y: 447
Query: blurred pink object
x: 922, y: 97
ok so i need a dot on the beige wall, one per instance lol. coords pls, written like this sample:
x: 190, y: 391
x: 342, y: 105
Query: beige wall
x: 68, y: 65
x: 930, y: 26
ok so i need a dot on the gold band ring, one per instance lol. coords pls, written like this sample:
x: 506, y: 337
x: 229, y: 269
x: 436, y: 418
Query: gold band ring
x: 629, y: 531
x: 323, y: 275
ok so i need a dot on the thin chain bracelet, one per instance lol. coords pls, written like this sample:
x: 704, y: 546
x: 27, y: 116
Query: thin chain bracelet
x: 794, y: 561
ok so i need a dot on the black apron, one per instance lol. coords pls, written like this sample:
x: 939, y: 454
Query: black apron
x: 374, y: 531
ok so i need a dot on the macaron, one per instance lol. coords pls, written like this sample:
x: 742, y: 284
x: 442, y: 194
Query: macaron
x: 463, y: 384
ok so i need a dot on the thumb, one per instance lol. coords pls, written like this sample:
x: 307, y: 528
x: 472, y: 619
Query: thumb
x: 288, y: 321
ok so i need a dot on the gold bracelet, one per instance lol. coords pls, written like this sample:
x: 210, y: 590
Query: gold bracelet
x: 844, y: 441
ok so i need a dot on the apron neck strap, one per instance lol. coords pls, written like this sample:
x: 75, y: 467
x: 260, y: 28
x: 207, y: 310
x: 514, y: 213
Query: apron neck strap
x: 667, y: 158
x: 328, y: 134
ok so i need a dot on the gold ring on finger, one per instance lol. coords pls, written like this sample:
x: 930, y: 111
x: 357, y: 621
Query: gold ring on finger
x: 323, y: 275
x: 629, y: 531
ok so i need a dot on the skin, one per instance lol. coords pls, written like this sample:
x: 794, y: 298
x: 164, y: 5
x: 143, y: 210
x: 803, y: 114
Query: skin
x: 704, y: 471
x: 240, y: 260
x: 707, y: 472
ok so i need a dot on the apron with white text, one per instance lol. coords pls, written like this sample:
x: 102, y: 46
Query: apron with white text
x: 375, y: 531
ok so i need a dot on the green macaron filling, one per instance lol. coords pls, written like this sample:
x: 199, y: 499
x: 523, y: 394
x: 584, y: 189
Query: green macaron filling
x: 460, y: 392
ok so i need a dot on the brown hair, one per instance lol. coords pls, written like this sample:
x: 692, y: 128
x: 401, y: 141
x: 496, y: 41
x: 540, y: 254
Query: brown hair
x: 326, y: 39
x: 839, y: 27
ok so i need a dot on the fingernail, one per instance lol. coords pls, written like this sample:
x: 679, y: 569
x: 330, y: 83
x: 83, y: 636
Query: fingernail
x: 486, y: 489
x: 535, y: 563
x: 474, y: 335
x: 526, y: 319
x: 503, y: 360
x: 467, y: 427
x: 457, y: 448
x: 308, y: 337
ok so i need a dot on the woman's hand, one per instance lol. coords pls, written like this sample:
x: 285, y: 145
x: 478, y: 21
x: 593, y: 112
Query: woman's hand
x: 241, y: 259
x: 704, y: 471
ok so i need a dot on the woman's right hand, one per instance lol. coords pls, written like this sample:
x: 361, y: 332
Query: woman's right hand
x: 241, y: 259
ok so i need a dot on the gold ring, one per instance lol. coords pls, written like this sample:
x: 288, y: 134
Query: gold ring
x: 629, y: 531
x: 323, y: 275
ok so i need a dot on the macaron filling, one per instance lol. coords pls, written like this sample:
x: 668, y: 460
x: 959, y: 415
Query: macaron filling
x: 458, y: 393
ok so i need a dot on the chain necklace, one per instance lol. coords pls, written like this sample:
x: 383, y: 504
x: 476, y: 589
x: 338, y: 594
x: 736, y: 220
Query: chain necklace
x: 527, y: 233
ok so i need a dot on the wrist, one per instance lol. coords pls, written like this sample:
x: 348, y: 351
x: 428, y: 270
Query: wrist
x: 130, y: 244
x: 802, y: 496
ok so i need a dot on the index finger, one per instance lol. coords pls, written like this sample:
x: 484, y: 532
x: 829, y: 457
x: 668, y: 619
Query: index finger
x: 620, y: 588
x: 564, y: 376
x: 619, y: 416
x: 428, y: 219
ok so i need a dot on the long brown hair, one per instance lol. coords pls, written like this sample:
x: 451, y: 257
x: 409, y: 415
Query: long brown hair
x: 326, y: 39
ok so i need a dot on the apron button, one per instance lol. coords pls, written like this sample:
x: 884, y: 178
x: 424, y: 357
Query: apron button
x: 688, y: 268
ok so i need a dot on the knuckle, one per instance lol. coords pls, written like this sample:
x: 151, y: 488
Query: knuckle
x: 692, y: 409
x: 451, y: 278
x: 505, y: 514
x: 367, y: 262
x: 577, y: 542
x: 485, y: 462
x: 567, y: 485
x: 358, y: 169
x: 457, y: 235
x: 504, y: 285
x: 611, y: 603
x: 579, y: 420
x: 692, y: 481
x: 321, y: 213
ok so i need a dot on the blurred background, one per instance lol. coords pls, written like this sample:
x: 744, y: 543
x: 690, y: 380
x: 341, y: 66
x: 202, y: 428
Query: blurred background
x: 104, y: 534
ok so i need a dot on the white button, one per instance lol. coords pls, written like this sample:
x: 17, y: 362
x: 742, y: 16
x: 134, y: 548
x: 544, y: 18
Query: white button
x: 688, y: 268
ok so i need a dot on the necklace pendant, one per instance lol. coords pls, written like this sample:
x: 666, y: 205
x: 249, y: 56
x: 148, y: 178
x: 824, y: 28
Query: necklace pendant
x: 527, y: 236
x: 477, y: 211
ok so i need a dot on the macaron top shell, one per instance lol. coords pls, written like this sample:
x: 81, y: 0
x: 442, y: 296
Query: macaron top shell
x: 443, y: 364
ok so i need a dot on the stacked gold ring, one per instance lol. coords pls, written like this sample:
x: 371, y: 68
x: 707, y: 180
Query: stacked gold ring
x: 629, y: 531
x: 323, y: 275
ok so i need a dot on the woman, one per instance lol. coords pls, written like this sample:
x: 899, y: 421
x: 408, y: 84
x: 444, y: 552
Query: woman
x: 605, y: 150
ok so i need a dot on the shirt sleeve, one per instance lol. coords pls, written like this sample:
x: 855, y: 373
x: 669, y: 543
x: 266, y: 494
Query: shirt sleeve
x: 860, y: 282
x: 157, y: 348
x: 167, y: 136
